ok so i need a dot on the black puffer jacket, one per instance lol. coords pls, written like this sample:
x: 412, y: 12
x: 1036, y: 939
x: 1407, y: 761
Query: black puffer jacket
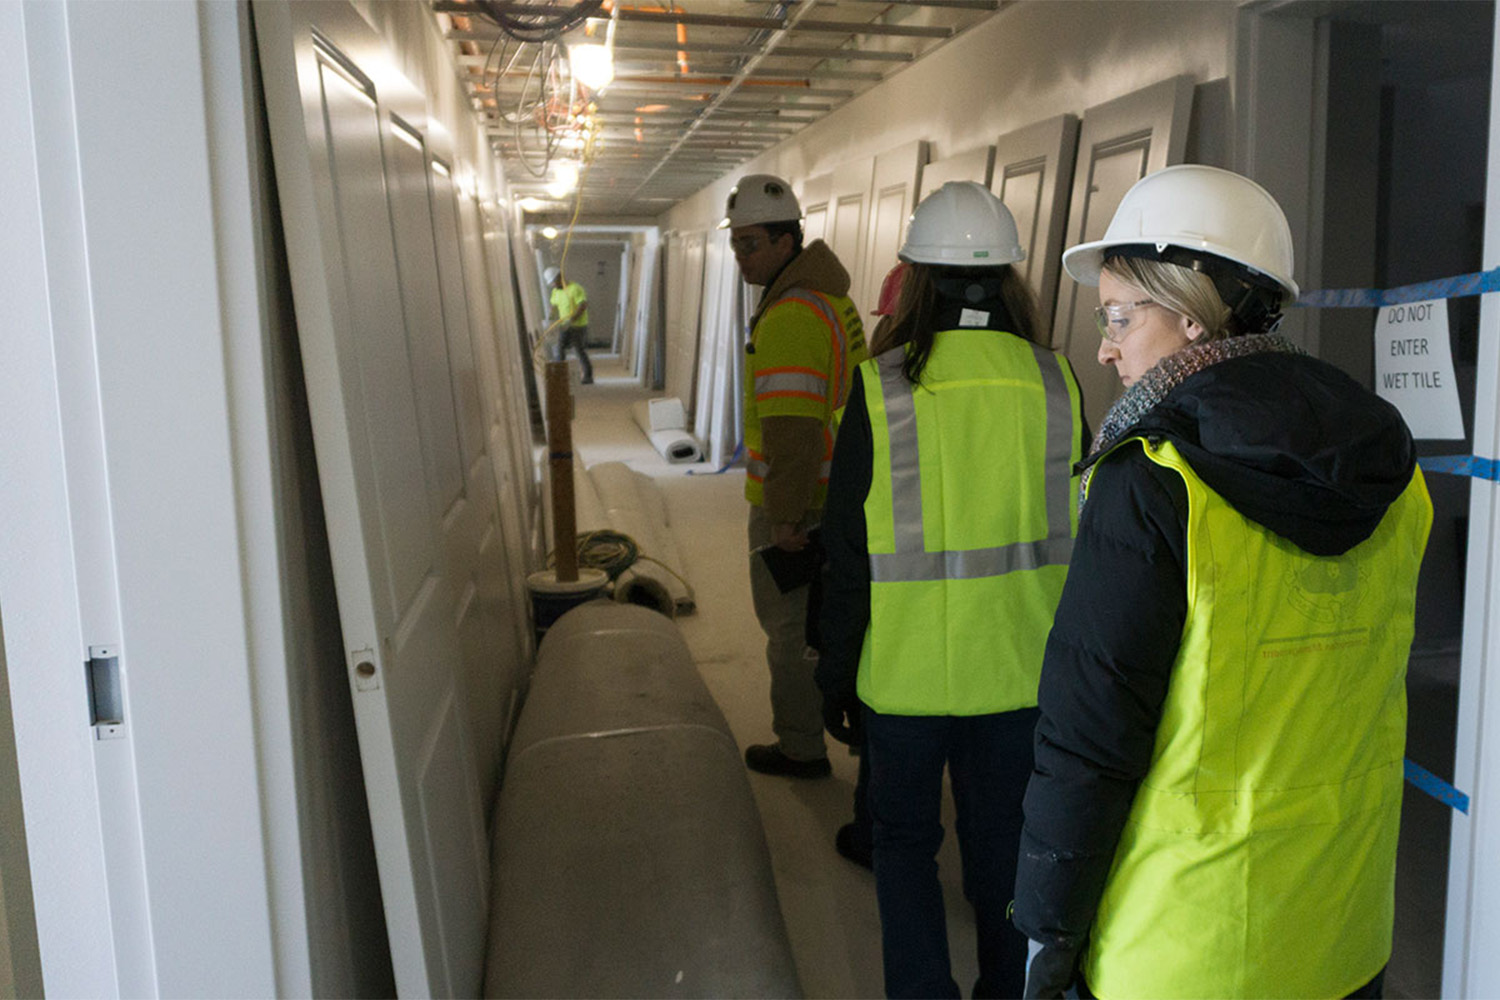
x: 1293, y: 444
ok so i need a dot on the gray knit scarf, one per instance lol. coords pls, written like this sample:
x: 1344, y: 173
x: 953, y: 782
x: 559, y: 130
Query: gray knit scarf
x: 1167, y: 374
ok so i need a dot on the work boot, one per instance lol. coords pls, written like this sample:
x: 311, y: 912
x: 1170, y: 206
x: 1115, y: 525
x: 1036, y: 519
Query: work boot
x: 767, y: 758
x: 855, y: 845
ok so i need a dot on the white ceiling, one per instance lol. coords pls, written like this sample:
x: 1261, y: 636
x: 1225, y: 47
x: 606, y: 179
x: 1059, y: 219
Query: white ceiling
x: 700, y: 85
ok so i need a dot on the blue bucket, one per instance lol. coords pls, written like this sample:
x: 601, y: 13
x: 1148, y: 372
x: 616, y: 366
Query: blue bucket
x: 551, y: 598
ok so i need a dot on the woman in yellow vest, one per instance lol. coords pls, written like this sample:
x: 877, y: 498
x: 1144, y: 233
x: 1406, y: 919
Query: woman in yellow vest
x: 1219, y: 756
x: 951, y: 514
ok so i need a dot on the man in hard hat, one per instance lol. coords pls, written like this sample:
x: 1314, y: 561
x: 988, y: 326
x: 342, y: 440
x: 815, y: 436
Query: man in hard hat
x: 570, y: 308
x: 806, y: 338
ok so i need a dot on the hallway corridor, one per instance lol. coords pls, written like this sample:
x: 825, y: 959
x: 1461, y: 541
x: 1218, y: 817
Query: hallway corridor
x: 828, y: 902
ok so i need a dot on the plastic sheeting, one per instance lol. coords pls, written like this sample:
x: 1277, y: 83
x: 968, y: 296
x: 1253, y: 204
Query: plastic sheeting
x: 664, y: 422
x: 629, y: 857
x: 630, y: 503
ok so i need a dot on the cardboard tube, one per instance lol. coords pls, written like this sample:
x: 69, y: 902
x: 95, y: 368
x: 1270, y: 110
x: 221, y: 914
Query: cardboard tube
x: 560, y: 450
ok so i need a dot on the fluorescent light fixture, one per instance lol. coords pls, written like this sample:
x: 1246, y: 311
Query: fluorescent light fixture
x: 550, y: 232
x: 593, y: 65
x: 531, y: 204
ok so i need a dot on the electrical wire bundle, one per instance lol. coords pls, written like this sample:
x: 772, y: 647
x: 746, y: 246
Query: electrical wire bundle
x: 541, y: 26
x: 614, y: 552
x: 544, y: 112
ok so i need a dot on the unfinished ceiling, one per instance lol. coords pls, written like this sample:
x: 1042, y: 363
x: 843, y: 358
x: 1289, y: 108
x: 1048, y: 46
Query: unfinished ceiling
x: 700, y: 86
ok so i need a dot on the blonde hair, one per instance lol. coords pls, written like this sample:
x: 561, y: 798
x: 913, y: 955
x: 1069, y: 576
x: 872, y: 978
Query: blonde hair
x: 1181, y: 289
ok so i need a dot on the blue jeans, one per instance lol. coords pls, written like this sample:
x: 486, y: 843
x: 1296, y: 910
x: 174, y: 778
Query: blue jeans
x: 989, y: 760
x: 576, y: 337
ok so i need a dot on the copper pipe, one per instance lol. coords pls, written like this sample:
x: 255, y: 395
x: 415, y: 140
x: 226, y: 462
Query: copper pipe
x: 714, y: 81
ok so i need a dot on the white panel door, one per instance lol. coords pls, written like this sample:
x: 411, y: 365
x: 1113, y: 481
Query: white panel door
x: 848, y: 217
x: 1121, y: 142
x: 493, y: 286
x: 493, y: 292
x: 507, y: 422
x: 1033, y: 174
x: 682, y: 374
x: 712, y: 340
x: 391, y: 470
x: 815, y: 197
x: 893, y: 186
x: 974, y: 165
x: 482, y: 536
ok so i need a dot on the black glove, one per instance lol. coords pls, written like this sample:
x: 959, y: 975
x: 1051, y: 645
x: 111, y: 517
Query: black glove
x: 843, y: 718
x: 1050, y: 971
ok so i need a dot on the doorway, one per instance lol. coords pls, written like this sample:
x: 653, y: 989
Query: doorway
x: 1384, y: 179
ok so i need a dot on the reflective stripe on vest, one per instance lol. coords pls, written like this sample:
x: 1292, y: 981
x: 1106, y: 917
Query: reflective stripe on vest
x: 964, y: 465
x: 1259, y: 857
x: 803, y: 383
x: 912, y: 560
x: 800, y: 382
x: 756, y: 467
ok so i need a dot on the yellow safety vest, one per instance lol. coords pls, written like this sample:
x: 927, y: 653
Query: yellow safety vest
x: 1259, y: 859
x: 571, y: 303
x: 800, y: 363
x: 971, y: 516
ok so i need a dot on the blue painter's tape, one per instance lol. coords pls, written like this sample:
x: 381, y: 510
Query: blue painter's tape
x: 1462, y: 465
x: 1436, y: 787
x: 738, y: 450
x: 1443, y: 288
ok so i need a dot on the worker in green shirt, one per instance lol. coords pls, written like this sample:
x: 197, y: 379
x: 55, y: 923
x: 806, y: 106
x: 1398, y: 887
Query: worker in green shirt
x: 570, y: 309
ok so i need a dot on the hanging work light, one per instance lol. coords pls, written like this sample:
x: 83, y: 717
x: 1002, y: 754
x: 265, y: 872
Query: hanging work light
x: 564, y: 179
x: 594, y: 64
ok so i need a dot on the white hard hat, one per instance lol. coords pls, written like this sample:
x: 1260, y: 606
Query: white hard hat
x: 550, y: 275
x: 1202, y: 210
x: 760, y: 198
x: 962, y: 224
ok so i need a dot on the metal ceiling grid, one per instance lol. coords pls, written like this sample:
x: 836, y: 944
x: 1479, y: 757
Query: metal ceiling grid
x: 700, y: 85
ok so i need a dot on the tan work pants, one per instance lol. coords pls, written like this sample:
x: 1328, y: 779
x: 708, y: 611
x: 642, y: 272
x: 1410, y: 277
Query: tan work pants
x: 796, y: 702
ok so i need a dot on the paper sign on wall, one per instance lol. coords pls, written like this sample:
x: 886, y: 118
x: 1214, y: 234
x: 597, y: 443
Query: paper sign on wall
x: 1414, y: 367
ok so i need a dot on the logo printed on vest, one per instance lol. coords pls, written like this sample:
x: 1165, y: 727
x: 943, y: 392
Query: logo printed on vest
x: 1326, y: 592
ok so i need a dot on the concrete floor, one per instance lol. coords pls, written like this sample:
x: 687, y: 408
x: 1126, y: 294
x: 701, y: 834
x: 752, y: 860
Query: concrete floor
x: 828, y: 903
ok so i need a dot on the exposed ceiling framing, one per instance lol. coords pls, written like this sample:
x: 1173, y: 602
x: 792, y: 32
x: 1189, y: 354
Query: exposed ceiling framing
x: 700, y: 85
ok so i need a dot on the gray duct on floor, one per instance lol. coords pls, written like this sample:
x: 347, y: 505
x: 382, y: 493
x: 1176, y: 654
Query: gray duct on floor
x: 629, y: 857
x: 629, y: 502
x: 664, y: 422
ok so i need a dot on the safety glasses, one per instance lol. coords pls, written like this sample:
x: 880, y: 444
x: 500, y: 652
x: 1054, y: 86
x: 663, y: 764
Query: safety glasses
x: 746, y: 245
x: 1118, y: 321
